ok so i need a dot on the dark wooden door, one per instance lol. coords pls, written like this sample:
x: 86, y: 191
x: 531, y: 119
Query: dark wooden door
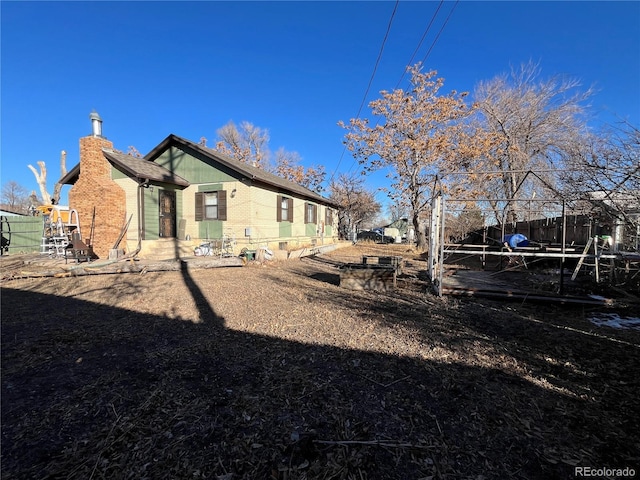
x: 167, y: 214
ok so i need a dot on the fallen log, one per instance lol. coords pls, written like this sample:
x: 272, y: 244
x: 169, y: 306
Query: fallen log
x: 128, y: 266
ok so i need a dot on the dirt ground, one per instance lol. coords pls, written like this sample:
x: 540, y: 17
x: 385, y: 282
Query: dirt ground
x: 276, y: 372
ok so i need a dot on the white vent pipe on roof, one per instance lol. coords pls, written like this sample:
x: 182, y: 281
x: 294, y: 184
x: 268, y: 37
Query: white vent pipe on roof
x: 96, y: 124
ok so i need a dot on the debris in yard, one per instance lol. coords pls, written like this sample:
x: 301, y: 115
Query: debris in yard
x: 278, y: 373
x: 614, y: 320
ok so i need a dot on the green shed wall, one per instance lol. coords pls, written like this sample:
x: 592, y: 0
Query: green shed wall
x: 23, y: 234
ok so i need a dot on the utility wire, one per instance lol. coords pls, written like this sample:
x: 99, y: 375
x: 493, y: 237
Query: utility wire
x: 424, y: 35
x: 435, y: 14
x: 375, y: 68
x: 410, y: 61
x: 415, y: 52
x: 440, y: 32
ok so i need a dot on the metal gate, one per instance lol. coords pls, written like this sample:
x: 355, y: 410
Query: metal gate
x: 436, y: 243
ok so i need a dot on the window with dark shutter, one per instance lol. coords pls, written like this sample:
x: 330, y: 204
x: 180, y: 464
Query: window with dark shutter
x: 199, y: 206
x: 310, y: 213
x: 211, y: 205
x: 284, y: 209
x: 279, y: 208
x: 222, y: 205
x: 328, y: 216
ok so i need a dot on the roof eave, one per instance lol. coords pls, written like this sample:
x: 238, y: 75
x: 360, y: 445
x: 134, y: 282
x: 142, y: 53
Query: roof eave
x: 173, y: 140
x: 71, y: 177
x: 133, y: 173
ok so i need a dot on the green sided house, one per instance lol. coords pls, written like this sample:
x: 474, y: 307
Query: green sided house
x: 182, y: 195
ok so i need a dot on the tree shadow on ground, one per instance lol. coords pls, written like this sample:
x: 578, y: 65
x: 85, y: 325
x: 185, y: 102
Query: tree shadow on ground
x: 330, y: 278
x: 95, y: 391
x: 553, y: 347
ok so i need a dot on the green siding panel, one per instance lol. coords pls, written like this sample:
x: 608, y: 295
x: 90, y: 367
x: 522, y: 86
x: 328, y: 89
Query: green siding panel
x: 179, y: 211
x: 310, y: 229
x: 151, y: 220
x: 196, y: 170
x: 210, y: 229
x: 118, y: 174
x: 285, y: 229
x: 210, y: 187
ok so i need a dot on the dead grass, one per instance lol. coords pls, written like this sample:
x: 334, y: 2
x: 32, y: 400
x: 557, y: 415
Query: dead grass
x: 275, y: 372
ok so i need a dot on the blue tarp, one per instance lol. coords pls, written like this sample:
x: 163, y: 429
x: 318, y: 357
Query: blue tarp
x: 516, y: 240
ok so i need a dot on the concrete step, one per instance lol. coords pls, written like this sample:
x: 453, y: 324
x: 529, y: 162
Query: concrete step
x: 166, y: 249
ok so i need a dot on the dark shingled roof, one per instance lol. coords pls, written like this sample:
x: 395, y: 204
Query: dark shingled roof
x: 138, y: 168
x: 252, y: 173
x: 143, y: 168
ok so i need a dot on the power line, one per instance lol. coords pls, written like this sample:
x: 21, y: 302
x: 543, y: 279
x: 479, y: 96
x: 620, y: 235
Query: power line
x: 375, y: 68
x: 424, y: 35
x: 440, y: 32
x: 410, y: 61
x: 415, y: 52
x: 435, y: 14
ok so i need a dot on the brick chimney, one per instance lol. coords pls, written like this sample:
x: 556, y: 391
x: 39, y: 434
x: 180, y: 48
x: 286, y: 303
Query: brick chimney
x: 96, y: 189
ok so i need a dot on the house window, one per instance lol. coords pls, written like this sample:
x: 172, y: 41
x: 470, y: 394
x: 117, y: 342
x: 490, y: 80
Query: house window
x: 310, y: 213
x: 211, y: 205
x: 284, y: 209
x: 328, y: 216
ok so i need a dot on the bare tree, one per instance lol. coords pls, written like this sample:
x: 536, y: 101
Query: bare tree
x: 250, y: 144
x: 287, y: 165
x: 462, y: 223
x: 417, y: 137
x: 247, y: 144
x: 15, y: 197
x: 530, y: 124
x: 605, y: 175
x: 397, y: 211
x: 41, y: 178
x: 134, y: 152
x: 357, y: 205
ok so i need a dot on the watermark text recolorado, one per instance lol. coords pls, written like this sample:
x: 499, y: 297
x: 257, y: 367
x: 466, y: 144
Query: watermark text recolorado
x: 604, y: 472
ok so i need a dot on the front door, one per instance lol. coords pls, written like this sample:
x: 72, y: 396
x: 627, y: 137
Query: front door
x: 167, y: 214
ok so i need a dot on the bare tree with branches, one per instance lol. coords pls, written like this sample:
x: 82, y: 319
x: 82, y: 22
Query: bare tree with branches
x: 287, y: 165
x: 15, y: 197
x: 357, y: 205
x: 417, y: 137
x: 605, y: 175
x: 531, y: 124
x: 248, y: 143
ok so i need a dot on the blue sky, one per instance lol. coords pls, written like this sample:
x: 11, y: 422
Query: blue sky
x: 295, y: 68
